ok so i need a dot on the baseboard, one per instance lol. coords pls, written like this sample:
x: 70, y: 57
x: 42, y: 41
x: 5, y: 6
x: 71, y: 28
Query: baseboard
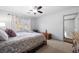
x: 59, y: 40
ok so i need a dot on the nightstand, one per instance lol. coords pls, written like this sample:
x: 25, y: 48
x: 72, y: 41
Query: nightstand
x: 47, y: 35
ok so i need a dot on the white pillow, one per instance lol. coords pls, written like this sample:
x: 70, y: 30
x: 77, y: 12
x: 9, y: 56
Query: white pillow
x: 3, y: 35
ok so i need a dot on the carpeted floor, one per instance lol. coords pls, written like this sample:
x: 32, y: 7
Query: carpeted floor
x: 54, y: 46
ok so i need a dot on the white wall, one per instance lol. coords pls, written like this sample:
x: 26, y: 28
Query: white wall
x: 54, y: 22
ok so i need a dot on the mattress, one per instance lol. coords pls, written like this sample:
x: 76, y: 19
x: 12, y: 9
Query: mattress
x: 21, y: 43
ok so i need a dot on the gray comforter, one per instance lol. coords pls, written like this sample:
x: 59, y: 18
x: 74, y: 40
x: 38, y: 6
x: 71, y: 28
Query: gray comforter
x: 21, y: 43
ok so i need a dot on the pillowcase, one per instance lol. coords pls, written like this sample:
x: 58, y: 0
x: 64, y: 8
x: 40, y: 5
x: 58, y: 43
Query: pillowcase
x: 10, y: 32
x: 3, y: 35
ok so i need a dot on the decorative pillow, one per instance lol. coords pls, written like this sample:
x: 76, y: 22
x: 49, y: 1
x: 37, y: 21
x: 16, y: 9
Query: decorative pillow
x: 3, y: 35
x: 10, y: 32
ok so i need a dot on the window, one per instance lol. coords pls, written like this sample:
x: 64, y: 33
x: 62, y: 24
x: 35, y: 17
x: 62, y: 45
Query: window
x: 2, y: 25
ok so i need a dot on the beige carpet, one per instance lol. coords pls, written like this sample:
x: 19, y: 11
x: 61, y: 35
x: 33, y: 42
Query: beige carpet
x: 54, y: 46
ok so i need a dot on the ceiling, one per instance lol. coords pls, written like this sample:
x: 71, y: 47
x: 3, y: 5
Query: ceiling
x: 24, y: 10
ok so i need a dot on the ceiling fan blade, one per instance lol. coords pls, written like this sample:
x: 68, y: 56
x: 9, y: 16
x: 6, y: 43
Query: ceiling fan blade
x: 39, y: 7
x: 40, y: 11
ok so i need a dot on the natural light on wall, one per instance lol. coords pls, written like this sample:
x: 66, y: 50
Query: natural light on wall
x: 2, y: 25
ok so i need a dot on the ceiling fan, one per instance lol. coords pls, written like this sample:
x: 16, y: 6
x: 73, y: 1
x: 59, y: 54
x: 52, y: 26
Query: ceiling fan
x: 36, y: 9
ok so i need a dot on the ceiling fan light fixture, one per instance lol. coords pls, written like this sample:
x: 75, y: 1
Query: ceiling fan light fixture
x: 34, y: 10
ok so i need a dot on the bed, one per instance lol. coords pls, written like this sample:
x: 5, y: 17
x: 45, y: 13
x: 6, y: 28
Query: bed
x: 22, y: 42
